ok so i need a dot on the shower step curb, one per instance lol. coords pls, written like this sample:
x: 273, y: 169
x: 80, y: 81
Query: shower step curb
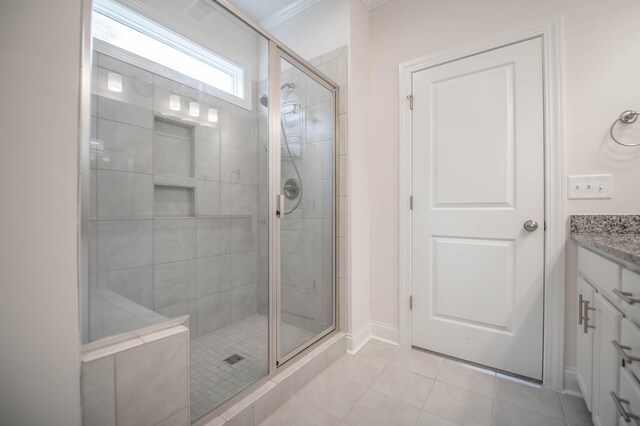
x: 258, y: 405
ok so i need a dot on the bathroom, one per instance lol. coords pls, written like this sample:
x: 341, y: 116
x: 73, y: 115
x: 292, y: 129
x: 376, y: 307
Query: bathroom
x: 251, y: 216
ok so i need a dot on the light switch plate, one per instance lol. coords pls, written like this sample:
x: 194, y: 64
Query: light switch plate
x: 590, y: 186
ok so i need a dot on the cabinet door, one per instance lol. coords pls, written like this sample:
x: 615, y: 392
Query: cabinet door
x: 585, y: 342
x: 606, y: 361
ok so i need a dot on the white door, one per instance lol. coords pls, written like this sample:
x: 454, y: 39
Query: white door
x: 478, y: 176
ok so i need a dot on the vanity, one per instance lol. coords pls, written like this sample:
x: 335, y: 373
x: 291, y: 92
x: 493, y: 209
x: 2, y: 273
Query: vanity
x: 608, y: 323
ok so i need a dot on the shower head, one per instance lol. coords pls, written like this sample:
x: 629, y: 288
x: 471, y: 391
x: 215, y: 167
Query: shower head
x: 264, y: 99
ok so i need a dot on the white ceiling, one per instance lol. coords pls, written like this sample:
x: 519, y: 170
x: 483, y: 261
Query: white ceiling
x: 270, y: 13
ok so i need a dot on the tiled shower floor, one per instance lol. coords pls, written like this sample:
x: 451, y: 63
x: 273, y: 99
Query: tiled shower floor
x: 213, y: 381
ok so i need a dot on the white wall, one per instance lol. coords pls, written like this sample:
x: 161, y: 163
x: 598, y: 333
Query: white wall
x: 359, y: 163
x: 316, y: 30
x: 602, y: 69
x: 39, y: 328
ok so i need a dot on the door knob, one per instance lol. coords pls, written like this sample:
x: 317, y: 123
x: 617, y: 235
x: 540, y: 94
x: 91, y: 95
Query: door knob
x: 531, y: 225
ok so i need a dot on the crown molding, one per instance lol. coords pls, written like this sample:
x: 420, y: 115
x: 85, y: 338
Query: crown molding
x: 287, y: 13
x: 372, y: 4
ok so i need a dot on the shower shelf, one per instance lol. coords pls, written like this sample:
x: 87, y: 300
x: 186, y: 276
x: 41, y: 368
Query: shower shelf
x: 177, y: 181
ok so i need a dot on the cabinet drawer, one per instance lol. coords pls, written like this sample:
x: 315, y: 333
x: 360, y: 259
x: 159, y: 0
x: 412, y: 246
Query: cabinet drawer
x: 629, y: 346
x: 628, y: 397
x: 631, y: 286
x: 601, y: 272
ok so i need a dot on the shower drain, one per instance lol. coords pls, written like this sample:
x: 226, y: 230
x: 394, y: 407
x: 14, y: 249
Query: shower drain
x: 233, y: 359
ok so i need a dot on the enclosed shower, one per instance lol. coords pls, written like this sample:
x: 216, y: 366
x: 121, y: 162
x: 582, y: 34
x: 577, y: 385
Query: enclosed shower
x: 209, y: 184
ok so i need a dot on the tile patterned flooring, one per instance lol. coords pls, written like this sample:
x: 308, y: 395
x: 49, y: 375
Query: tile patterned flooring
x: 385, y: 385
x: 213, y: 381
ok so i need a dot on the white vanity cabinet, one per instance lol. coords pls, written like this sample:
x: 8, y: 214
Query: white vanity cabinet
x: 606, y: 361
x: 608, y: 364
x: 584, y: 370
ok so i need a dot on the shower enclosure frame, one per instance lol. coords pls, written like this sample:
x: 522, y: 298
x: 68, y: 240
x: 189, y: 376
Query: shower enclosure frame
x: 277, y: 52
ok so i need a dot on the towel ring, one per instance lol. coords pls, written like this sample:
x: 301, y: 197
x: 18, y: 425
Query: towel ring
x: 626, y: 117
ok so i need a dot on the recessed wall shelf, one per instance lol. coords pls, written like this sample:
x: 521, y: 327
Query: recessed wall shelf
x: 174, y: 201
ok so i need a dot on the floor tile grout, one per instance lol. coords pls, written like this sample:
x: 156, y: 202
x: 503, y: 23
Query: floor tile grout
x: 494, y: 398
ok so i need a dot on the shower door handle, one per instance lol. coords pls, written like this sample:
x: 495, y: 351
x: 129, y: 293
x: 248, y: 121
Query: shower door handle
x: 279, y: 205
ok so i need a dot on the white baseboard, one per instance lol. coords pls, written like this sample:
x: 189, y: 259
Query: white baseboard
x: 373, y: 330
x: 358, y: 339
x: 571, y: 382
x: 385, y: 332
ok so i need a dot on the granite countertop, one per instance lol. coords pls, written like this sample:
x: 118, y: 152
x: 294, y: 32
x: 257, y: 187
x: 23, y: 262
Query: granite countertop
x: 615, y: 237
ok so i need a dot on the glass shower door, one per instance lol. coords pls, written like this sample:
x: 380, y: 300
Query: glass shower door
x: 306, y: 290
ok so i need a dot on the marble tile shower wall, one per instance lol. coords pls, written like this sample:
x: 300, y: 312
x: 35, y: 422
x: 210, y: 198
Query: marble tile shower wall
x: 307, y: 267
x: 174, y: 202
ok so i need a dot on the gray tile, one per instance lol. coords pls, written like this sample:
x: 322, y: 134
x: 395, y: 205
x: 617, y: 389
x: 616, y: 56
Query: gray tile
x: 244, y: 268
x: 208, y: 198
x: 318, y: 160
x: 184, y: 308
x: 152, y: 380
x: 174, y: 283
x: 529, y: 396
x: 208, y: 134
x: 428, y: 419
x: 317, y: 199
x: 332, y: 394
x: 419, y: 362
x: 243, y: 418
x: 136, y: 284
x: 238, y: 166
x: 213, y: 274
x: 575, y: 410
x: 241, y: 199
x: 508, y: 415
x: 404, y: 385
x: 213, y: 237
x: 115, y: 110
x: 174, y: 240
x: 375, y: 408
x: 458, y: 405
x: 380, y: 351
x: 123, y: 147
x: 124, y: 195
x: 172, y: 151
x: 274, y: 398
x: 337, y: 350
x: 207, y: 160
x: 173, y: 201
x: 240, y: 133
x: 298, y: 412
x: 243, y: 235
x: 214, y: 312
x: 98, y: 392
x: 244, y: 301
x: 467, y: 377
x: 310, y: 370
x: 124, y: 244
x: 357, y: 369
x: 181, y: 418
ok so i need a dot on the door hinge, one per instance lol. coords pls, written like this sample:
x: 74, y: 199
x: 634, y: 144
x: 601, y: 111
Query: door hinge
x: 411, y: 303
x: 544, y: 226
x: 410, y: 202
x: 410, y: 97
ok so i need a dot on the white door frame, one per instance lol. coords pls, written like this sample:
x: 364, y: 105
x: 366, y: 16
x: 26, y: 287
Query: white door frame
x: 550, y: 31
